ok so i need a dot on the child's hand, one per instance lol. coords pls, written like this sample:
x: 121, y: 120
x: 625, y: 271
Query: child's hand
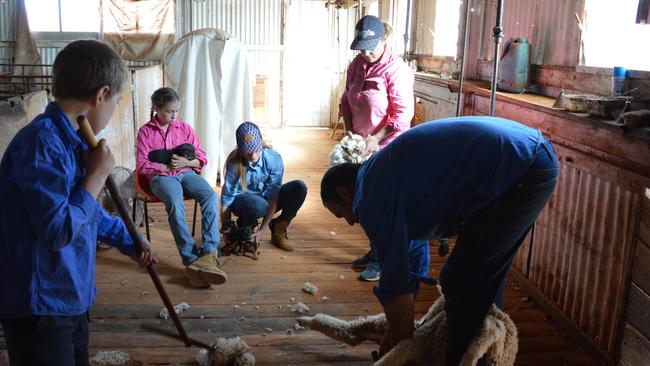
x: 100, y: 160
x: 146, y: 257
x: 178, y: 162
x: 99, y: 163
x: 260, y: 233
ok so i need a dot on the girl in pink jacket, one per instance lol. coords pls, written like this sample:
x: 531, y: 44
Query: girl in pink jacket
x: 176, y: 174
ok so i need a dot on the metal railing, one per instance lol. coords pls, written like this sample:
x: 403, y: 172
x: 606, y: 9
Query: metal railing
x: 17, y: 79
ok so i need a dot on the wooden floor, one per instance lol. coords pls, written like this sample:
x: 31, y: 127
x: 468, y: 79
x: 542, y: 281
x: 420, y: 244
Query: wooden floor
x: 253, y: 302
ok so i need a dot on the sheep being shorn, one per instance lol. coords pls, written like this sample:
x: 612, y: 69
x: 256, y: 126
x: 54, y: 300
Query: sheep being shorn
x: 498, y: 337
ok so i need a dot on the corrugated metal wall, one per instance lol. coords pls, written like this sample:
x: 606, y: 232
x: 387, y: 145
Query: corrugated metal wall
x: 549, y: 25
x: 8, y: 20
x: 257, y: 24
x: 7, y: 32
x: 581, y: 243
x: 253, y: 22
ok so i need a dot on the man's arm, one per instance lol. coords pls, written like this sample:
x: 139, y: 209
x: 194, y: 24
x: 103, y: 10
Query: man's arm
x: 400, y: 315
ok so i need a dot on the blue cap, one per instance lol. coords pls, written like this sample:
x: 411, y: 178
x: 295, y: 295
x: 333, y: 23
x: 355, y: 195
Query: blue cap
x: 619, y: 71
x: 249, y: 138
x: 367, y: 33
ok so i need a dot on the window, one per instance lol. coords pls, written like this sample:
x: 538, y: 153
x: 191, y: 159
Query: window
x: 611, y: 36
x: 63, y: 15
x: 436, y: 27
x: 446, y: 33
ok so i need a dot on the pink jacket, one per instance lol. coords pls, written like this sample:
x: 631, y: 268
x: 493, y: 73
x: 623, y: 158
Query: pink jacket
x: 151, y: 137
x: 379, y: 95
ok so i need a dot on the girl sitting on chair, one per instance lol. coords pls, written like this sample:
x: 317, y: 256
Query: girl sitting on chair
x: 253, y: 189
x: 179, y: 177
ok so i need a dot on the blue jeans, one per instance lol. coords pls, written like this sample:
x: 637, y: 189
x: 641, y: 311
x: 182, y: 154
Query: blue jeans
x: 250, y: 207
x: 170, y: 191
x: 474, y: 276
x: 47, y: 340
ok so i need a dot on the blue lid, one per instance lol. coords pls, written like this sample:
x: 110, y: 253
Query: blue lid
x: 619, y: 71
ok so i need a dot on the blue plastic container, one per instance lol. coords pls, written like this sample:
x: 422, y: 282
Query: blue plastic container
x: 514, y: 66
x: 618, y: 80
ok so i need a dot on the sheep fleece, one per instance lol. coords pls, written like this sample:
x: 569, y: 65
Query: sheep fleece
x: 498, y: 337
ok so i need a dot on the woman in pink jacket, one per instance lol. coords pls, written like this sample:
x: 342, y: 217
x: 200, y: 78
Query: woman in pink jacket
x: 378, y: 101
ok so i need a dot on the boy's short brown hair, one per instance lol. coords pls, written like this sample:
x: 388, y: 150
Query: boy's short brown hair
x: 83, y: 67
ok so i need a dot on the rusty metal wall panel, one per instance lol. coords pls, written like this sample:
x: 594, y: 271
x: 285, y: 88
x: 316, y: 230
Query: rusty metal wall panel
x: 549, y: 25
x: 579, y: 251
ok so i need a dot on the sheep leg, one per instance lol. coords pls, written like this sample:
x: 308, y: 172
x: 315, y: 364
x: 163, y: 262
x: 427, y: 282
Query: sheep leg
x: 352, y: 333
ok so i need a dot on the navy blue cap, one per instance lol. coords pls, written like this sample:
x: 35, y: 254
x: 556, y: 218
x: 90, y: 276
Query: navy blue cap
x: 367, y: 33
x: 249, y: 138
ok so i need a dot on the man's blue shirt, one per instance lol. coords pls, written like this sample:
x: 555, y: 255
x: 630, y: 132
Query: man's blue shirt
x: 427, y: 180
x: 263, y: 178
x: 49, y: 224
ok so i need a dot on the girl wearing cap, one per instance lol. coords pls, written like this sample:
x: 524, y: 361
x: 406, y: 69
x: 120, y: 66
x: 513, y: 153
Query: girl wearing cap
x: 253, y: 189
x: 180, y: 177
x: 378, y: 101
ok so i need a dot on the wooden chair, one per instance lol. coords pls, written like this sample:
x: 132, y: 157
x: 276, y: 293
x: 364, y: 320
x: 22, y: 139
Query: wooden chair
x: 144, y: 194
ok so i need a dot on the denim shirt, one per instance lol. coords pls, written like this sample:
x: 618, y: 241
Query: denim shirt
x: 49, y: 224
x: 428, y: 179
x: 263, y: 178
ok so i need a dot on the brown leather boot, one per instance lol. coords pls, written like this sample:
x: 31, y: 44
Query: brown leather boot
x: 209, y: 269
x: 279, y: 236
x: 195, y: 279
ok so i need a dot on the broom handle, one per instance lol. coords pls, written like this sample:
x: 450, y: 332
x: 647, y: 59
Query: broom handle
x: 88, y: 134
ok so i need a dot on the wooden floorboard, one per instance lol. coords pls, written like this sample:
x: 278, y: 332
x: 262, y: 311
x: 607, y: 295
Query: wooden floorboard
x: 258, y: 294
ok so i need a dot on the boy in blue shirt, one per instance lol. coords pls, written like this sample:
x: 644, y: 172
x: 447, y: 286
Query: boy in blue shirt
x: 484, y: 179
x: 50, y: 219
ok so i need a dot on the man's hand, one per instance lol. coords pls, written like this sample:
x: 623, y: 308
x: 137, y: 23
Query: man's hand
x: 146, y: 257
x: 386, y: 343
x: 400, y: 317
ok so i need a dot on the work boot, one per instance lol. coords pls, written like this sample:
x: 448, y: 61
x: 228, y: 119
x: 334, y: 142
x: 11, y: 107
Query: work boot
x: 279, y: 235
x: 208, y: 267
x: 195, y: 279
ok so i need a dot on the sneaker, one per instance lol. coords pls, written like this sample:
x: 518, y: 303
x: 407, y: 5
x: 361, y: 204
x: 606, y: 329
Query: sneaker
x: 195, y: 279
x: 363, y: 261
x: 209, y: 269
x: 371, y: 273
x: 443, y: 247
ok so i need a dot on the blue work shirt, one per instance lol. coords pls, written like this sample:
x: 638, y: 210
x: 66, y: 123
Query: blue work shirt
x: 429, y: 179
x: 263, y: 178
x: 49, y: 224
